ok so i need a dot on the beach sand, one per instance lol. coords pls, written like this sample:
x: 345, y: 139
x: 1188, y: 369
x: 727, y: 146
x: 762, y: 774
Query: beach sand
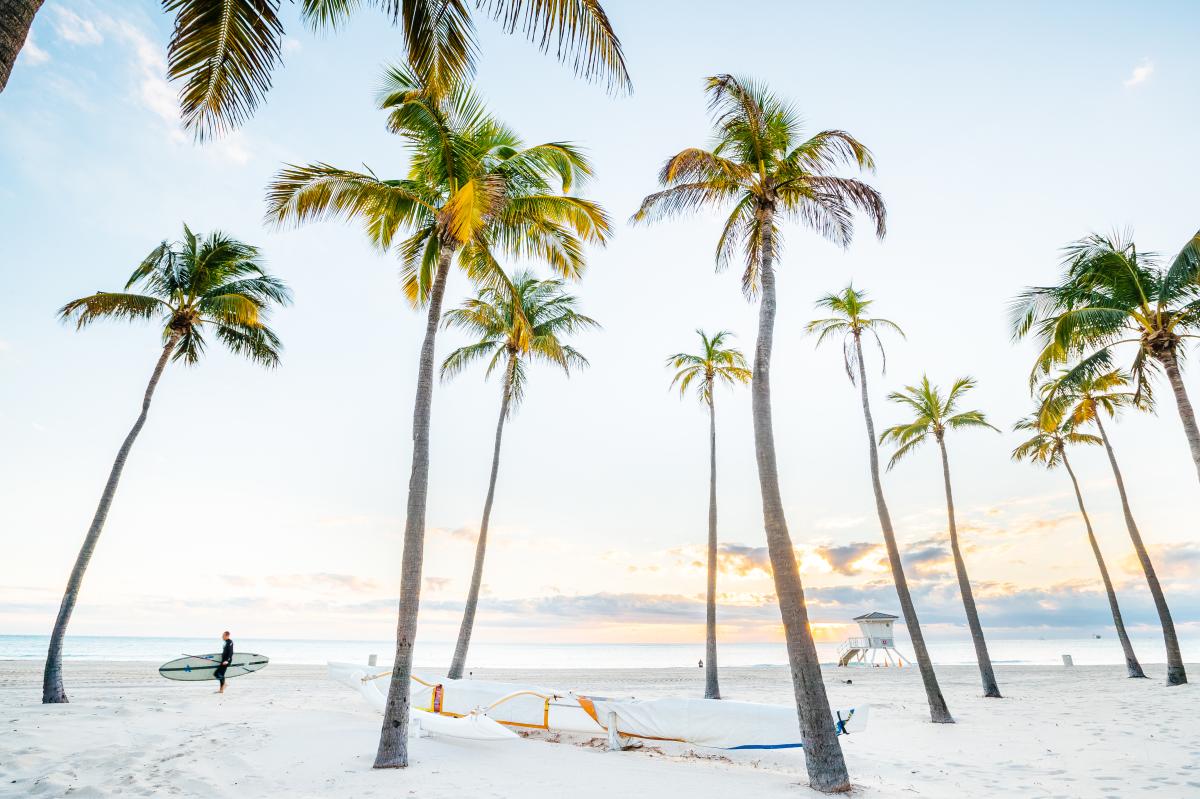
x: 289, y: 731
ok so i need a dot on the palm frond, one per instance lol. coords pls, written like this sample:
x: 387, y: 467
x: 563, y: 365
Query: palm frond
x: 224, y: 52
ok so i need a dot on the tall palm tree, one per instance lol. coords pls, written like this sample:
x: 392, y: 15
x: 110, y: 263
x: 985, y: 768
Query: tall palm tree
x: 514, y: 327
x: 226, y: 51
x: 714, y: 364
x: 1110, y: 294
x: 1083, y: 397
x: 850, y: 321
x: 761, y: 167
x: 197, y: 284
x: 473, y: 190
x: 935, y: 414
x: 1048, y: 446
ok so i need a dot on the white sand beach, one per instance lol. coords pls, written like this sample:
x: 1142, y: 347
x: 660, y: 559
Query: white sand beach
x: 290, y: 731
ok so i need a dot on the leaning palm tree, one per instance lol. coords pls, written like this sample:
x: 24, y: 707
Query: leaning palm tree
x: 715, y: 363
x: 515, y: 326
x: 226, y: 51
x: 1111, y: 294
x: 1081, y: 397
x: 1048, y: 446
x: 850, y: 321
x: 473, y: 190
x: 761, y: 167
x: 192, y: 286
x: 935, y: 414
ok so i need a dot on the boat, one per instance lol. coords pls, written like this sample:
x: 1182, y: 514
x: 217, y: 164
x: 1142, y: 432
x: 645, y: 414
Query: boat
x: 710, y: 723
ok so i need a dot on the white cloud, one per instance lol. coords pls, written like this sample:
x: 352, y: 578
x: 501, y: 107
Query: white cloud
x: 31, y: 54
x: 1140, y: 73
x: 75, y: 29
x: 153, y: 90
x: 291, y: 45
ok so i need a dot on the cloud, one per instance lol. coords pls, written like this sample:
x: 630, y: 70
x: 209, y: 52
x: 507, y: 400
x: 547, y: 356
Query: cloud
x: 846, y: 559
x: 853, y: 558
x: 75, y: 29
x: 1176, y: 561
x: 323, y: 581
x: 436, y: 584
x: 466, y: 534
x: 1140, y: 73
x: 927, y: 556
x: 31, y: 54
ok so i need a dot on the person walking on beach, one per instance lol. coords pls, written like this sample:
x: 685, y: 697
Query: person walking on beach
x: 226, y: 659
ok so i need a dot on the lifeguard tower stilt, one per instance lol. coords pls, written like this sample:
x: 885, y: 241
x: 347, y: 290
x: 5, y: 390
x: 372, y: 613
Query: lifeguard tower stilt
x: 877, y: 646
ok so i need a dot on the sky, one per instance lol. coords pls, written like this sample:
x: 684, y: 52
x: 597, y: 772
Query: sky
x: 272, y: 502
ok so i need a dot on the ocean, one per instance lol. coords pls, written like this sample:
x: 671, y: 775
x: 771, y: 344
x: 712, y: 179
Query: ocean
x: 436, y: 654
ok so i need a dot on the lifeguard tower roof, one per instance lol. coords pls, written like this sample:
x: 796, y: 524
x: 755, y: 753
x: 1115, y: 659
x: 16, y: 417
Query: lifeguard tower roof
x: 875, y: 616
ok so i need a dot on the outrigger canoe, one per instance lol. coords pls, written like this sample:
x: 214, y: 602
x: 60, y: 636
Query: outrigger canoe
x: 484, y: 710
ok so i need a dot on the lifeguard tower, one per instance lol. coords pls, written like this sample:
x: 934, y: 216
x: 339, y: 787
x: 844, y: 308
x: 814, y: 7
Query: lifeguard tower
x: 876, y: 648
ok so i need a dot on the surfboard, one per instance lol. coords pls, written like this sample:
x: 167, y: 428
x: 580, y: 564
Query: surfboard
x: 203, y: 667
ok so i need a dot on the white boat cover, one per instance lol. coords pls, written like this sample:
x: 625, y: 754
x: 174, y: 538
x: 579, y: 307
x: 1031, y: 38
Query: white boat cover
x: 719, y: 724
x: 472, y: 727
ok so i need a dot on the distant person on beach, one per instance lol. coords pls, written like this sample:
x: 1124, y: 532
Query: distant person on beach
x: 700, y: 664
x: 226, y: 659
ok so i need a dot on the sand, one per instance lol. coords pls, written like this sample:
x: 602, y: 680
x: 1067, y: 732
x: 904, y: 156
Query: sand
x: 289, y: 731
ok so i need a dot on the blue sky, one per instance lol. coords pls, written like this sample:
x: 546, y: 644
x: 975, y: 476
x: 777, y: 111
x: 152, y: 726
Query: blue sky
x: 273, y: 501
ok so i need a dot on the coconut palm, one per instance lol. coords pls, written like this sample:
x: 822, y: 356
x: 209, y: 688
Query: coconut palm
x: 473, y: 190
x: 1048, y: 446
x: 935, y: 414
x: 762, y: 168
x: 1083, y: 397
x: 1111, y: 294
x: 715, y: 363
x: 850, y: 320
x: 200, y: 284
x: 226, y: 51
x: 514, y: 327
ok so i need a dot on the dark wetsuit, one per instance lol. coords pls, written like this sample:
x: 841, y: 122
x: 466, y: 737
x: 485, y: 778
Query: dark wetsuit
x: 226, y: 657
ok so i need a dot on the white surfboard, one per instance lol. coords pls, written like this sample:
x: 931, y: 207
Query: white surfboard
x: 204, y: 667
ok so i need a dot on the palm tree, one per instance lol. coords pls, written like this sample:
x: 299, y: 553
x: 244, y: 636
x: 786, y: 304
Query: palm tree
x: 191, y: 286
x: 1111, y: 294
x: 716, y: 363
x: 760, y: 165
x: 1048, y: 446
x: 850, y: 320
x: 225, y: 51
x: 514, y: 327
x: 473, y: 189
x: 935, y: 415
x: 1083, y: 397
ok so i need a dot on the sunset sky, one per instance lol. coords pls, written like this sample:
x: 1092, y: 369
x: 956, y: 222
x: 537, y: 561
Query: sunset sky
x: 272, y: 502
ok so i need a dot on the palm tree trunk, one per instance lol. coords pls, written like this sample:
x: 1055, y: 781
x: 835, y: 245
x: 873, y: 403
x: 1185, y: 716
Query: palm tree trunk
x: 1176, y: 675
x: 1131, y: 662
x: 15, y: 18
x: 468, y: 622
x: 711, y: 688
x: 1186, y: 415
x: 822, y: 752
x: 938, y: 712
x: 990, y: 688
x: 52, y: 682
x: 393, y: 738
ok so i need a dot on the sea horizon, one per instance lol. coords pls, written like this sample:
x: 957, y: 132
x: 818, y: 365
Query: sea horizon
x: 948, y: 651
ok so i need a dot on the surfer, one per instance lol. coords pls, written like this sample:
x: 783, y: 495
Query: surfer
x: 226, y: 659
